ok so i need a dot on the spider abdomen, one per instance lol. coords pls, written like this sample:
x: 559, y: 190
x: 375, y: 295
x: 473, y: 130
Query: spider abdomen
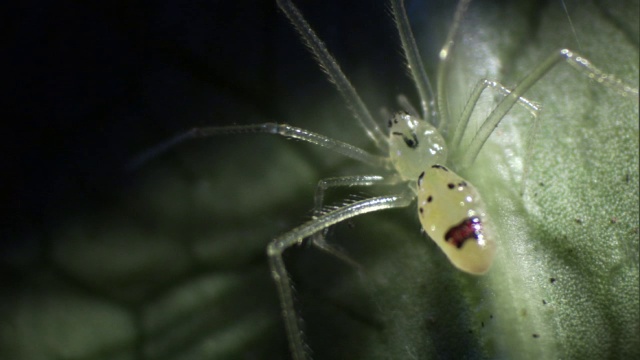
x: 453, y: 215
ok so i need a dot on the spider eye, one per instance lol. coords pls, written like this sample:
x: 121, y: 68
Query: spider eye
x: 412, y: 143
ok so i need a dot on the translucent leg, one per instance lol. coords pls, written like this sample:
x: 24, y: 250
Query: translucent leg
x: 463, y: 122
x: 318, y: 239
x: 414, y: 62
x: 330, y: 66
x: 296, y: 236
x: 406, y: 106
x: 576, y: 61
x: 444, y: 123
x: 443, y: 68
x: 268, y: 128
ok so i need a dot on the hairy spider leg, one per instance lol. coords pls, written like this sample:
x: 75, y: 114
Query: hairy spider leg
x: 296, y: 236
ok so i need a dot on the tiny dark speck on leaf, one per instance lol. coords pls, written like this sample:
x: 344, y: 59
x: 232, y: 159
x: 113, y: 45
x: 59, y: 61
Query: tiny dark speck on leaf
x: 535, y: 336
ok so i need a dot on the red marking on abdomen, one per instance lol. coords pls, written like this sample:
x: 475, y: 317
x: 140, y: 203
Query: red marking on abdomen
x: 470, y: 228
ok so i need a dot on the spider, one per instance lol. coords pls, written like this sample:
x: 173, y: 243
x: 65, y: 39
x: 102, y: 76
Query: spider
x: 423, y: 148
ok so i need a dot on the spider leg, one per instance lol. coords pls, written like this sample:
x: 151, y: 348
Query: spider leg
x: 287, y: 131
x: 318, y: 239
x: 414, y: 62
x: 405, y: 105
x: 483, y: 84
x: 296, y: 236
x: 443, y: 67
x: 561, y: 56
x: 331, y: 67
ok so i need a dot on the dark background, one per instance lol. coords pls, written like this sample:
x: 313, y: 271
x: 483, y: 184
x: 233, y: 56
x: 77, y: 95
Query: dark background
x: 89, y: 85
